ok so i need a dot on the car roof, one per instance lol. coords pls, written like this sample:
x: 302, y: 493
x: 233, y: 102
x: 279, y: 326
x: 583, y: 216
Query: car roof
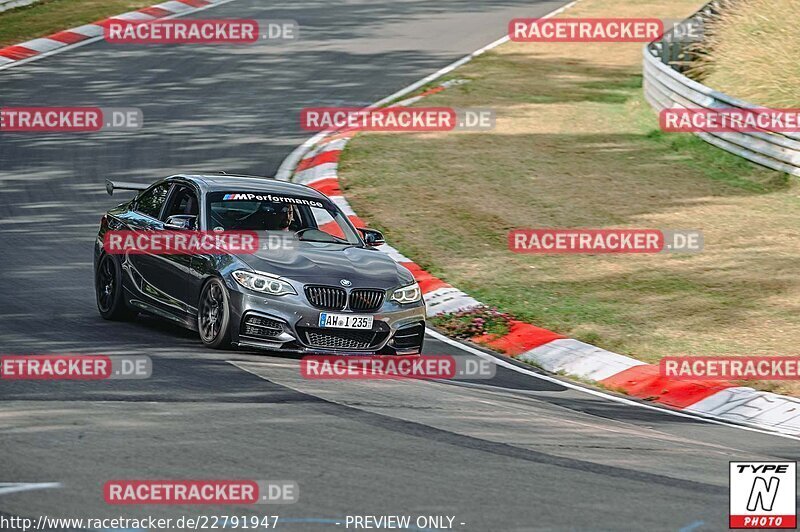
x: 245, y: 183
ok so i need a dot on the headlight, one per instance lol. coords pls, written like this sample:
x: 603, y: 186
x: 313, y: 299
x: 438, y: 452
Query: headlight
x: 261, y: 282
x: 407, y: 294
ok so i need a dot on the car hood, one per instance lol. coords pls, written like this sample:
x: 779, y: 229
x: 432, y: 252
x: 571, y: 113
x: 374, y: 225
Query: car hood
x: 330, y: 263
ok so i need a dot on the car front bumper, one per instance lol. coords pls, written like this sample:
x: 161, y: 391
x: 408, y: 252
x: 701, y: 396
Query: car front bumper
x: 291, y: 324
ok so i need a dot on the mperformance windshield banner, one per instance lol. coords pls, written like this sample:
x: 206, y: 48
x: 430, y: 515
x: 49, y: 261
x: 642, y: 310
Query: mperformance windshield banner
x: 260, y: 196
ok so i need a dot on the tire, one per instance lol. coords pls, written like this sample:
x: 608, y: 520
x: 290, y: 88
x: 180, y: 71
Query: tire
x: 109, y: 292
x: 214, y: 315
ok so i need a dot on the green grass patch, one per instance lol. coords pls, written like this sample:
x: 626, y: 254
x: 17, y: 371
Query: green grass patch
x: 576, y: 145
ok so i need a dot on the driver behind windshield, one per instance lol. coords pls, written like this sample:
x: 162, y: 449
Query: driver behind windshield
x: 310, y: 219
x: 277, y: 217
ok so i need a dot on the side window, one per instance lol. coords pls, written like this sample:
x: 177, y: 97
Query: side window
x: 325, y: 222
x: 151, y: 200
x: 184, y: 201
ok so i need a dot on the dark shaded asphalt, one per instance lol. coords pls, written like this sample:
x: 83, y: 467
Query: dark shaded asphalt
x: 539, y: 457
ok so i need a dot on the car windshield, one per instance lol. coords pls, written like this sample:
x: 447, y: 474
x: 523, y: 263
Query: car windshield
x: 311, y: 219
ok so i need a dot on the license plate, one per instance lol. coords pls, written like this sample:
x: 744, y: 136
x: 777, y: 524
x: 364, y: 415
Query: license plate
x: 344, y: 321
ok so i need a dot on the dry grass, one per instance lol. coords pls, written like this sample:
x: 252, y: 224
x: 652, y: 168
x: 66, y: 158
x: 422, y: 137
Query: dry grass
x: 49, y: 16
x: 753, y: 52
x: 576, y: 146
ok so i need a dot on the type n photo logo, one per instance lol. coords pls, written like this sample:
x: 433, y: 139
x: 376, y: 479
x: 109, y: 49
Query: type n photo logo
x: 763, y: 495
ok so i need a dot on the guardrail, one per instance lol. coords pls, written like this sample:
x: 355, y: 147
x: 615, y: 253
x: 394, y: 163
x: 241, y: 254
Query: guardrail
x: 665, y: 87
x: 8, y: 4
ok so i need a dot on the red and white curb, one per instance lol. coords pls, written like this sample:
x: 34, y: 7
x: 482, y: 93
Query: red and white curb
x: 37, y: 48
x: 317, y: 166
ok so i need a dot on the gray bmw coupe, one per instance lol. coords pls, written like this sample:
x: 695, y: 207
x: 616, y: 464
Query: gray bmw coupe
x: 316, y: 284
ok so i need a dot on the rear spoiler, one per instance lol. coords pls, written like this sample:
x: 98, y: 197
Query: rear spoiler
x: 111, y: 186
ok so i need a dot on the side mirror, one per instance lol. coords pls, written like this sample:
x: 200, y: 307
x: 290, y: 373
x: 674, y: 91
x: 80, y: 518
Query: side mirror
x: 372, y: 238
x: 182, y: 222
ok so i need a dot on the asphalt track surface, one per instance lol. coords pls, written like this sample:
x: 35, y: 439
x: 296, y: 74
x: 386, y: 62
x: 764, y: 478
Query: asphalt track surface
x: 512, y: 453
